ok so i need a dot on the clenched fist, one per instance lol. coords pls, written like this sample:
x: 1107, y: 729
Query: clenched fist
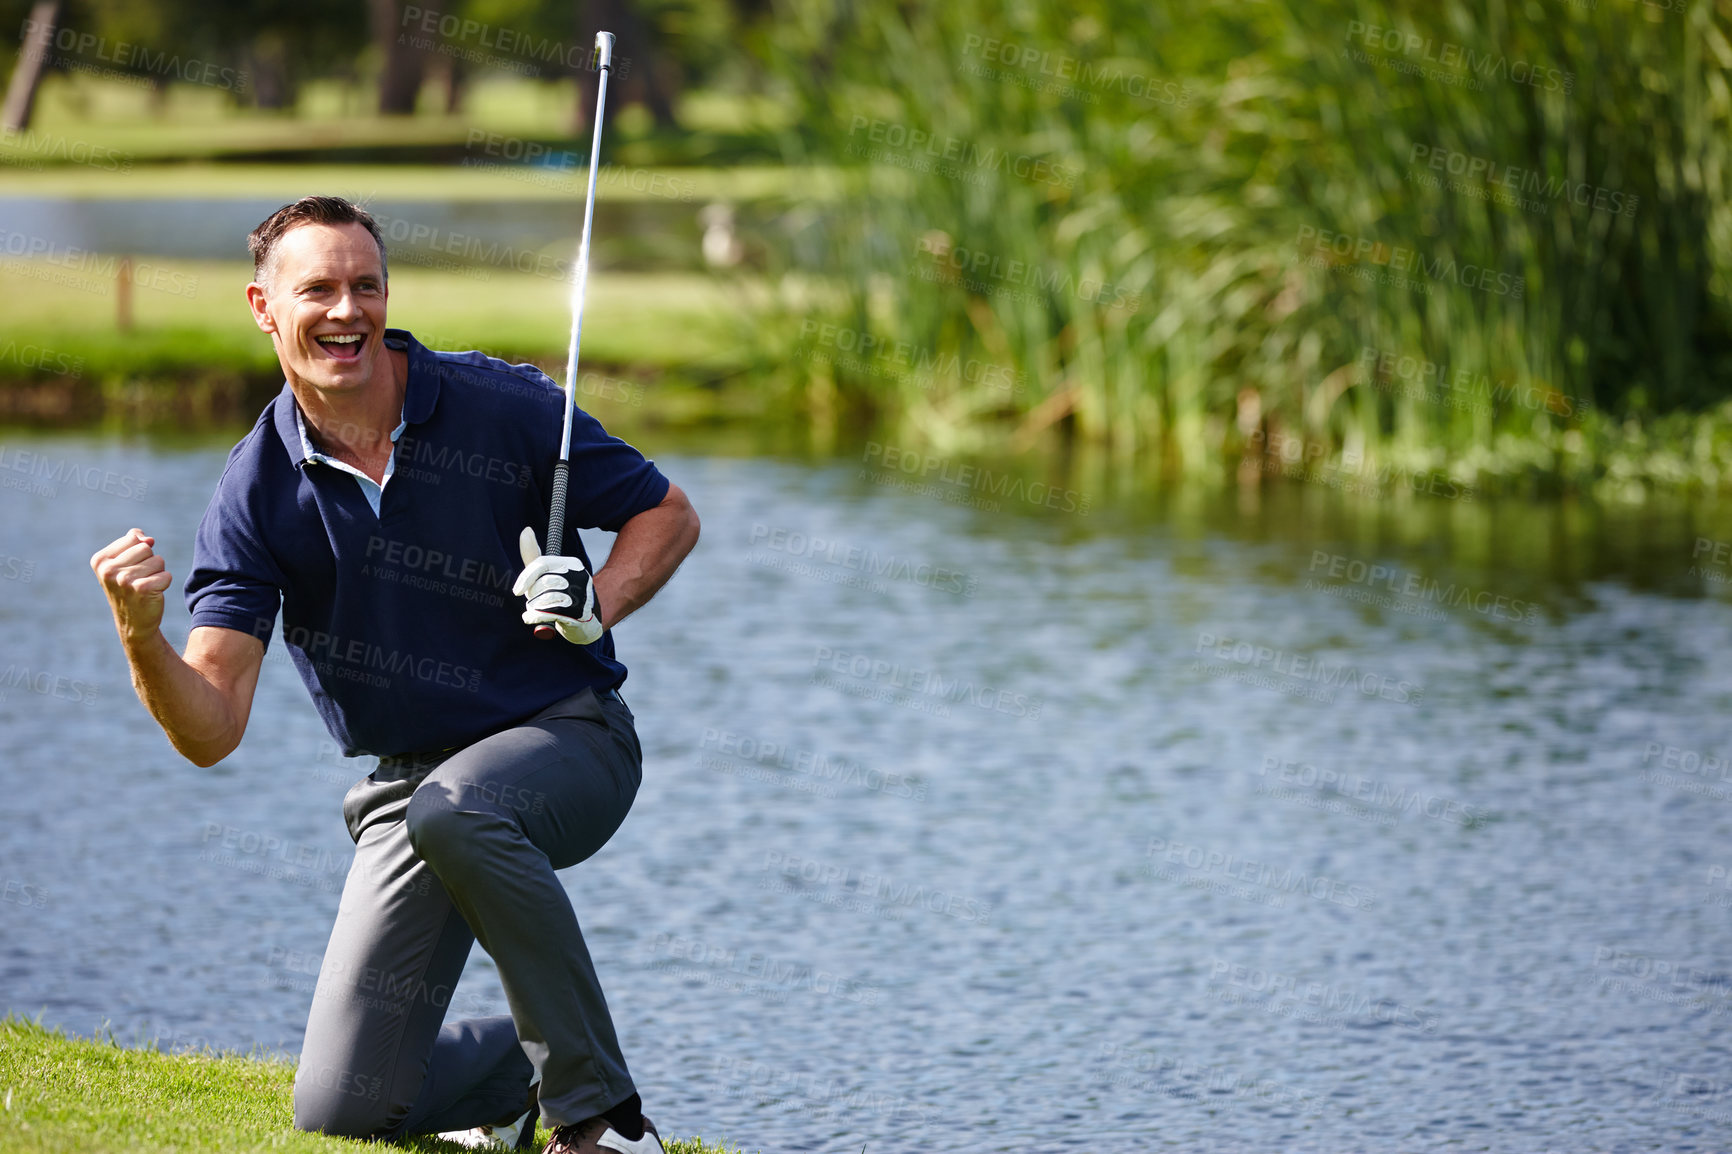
x: 135, y: 579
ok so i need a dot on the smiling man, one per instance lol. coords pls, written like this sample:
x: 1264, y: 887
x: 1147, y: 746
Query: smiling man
x: 385, y: 504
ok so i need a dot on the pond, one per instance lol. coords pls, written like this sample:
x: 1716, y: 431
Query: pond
x: 1203, y: 821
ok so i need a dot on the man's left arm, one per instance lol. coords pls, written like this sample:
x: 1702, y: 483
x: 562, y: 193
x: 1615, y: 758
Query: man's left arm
x: 649, y: 547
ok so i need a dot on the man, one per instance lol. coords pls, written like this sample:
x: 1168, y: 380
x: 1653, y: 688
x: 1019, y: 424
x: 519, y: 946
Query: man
x: 385, y: 500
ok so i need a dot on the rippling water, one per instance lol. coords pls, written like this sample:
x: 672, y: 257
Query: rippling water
x: 990, y: 831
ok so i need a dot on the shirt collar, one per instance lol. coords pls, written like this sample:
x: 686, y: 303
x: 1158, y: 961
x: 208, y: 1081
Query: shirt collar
x: 308, y: 453
x: 420, y: 395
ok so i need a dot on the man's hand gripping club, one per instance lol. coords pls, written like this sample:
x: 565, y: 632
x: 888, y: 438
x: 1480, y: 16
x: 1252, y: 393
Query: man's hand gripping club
x: 565, y: 602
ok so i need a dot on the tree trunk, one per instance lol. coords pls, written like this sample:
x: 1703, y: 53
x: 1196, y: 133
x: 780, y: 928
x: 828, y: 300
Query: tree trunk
x: 32, y: 63
x: 273, y: 86
x: 634, y: 77
x: 456, y: 83
x: 400, y: 83
x: 448, y: 76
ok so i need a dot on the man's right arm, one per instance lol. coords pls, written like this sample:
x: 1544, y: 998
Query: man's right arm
x: 201, y: 700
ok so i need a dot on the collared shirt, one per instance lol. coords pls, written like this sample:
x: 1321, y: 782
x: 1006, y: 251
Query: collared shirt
x: 396, y: 605
x: 371, y: 489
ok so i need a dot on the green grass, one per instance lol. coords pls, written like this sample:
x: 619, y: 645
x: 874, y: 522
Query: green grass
x: 70, y: 1094
x: 491, y: 179
x: 659, y: 349
x: 660, y: 320
x: 192, y: 123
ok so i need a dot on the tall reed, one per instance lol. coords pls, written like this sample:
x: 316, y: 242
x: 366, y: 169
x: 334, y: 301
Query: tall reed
x: 1490, y: 239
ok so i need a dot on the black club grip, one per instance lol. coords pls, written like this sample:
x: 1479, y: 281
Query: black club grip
x: 555, y: 540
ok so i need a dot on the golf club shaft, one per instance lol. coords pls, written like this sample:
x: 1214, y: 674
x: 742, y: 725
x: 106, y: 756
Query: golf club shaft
x: 555, y: 542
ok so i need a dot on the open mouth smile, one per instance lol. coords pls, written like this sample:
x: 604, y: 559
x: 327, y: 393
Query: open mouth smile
x: 342, y: 346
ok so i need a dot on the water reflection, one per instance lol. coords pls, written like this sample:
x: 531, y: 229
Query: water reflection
x: 873, y: 893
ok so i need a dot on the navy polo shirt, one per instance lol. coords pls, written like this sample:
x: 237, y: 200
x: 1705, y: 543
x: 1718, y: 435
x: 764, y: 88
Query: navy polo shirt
x: 402, y: 622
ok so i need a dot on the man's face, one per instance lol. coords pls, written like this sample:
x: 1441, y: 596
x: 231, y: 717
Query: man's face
x: 324, y: 306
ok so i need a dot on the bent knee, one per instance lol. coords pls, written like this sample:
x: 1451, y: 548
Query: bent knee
x: 433, y: 822
x: 340, y: 1103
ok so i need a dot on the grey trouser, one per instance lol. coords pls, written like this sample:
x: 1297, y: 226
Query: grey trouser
x: 456, y: 847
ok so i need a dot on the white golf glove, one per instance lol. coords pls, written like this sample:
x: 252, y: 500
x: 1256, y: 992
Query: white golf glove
x: 565, y: 602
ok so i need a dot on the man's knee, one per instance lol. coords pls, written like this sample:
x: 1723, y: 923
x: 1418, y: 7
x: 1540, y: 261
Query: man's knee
x: 435, y: 825
x: 339, y: 1102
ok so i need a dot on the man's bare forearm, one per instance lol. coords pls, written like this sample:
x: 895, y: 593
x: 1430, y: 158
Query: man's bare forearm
x: 197, y: 717
x: 648, y: 549
x: 202, y: 700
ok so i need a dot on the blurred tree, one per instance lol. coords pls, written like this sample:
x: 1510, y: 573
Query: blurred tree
x: 32, y: 63
x: 404, y: 60
x: 650, y: 77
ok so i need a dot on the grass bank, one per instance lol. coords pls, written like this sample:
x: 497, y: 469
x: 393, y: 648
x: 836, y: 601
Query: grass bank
x: 337, y: 121
x: 484, y: 172
x: 652, y: 341
x: 71, y: 1094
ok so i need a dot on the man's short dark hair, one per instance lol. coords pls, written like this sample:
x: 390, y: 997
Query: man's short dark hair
x: 262, y: 241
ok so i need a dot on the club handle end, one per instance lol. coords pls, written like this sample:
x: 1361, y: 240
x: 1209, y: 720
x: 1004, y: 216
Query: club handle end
x: 603, y: 50
x: 545, y: 633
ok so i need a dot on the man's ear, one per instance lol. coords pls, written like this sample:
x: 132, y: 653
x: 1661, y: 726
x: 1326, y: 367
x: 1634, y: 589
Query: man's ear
x: 259, y: 302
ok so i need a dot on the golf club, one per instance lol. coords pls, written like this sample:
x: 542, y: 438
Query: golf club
x: 555, y: 540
